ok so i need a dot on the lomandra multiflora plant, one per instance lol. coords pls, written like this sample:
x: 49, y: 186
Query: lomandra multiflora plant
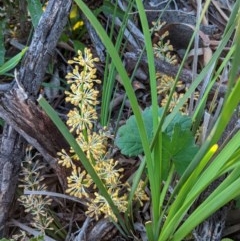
x: 82, y: 121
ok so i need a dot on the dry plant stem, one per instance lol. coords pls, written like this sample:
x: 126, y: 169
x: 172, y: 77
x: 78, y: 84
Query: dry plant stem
x: 82, y: 233
x: 22, y: 114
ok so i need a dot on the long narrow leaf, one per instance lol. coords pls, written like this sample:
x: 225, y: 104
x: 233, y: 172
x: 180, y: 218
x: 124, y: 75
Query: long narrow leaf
x: 209, y: 206
x: 10, y: 64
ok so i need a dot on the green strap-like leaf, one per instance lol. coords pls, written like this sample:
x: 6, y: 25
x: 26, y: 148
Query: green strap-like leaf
x: 35, y: 10
x: 10, y: 64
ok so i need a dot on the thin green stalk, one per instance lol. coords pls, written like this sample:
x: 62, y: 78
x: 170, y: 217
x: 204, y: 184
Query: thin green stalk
x: 184, y: 200
x: 213, y: 81
x: 157, y: 151
x: 109, y: 73
x: 234, y: 72
x: 209, y: 206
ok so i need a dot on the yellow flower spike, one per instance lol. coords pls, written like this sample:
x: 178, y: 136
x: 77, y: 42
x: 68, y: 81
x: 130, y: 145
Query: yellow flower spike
x: 81, y: 121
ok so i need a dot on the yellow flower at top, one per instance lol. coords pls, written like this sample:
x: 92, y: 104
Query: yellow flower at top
x: 85, y: 60
x: 82, y: 77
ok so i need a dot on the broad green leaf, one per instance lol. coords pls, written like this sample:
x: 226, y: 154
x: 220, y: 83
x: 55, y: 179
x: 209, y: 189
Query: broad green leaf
x: 128, y: 138
x: 184, y: 121
x: 10, y: 64
x: 35, y: 10
x: 179, y: 147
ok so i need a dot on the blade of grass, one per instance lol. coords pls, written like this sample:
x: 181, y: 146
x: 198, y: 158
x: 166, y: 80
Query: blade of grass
x: 157, y: 150
x: 109, y: 74
x: 213, y: 81
x: 234, y: 72
x: 2, y: 47
x: 209, y: 206
x: 194, y: 186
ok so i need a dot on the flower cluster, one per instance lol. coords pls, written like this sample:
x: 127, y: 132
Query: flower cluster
x: 163, y: 49
x: 164, y: 85
x: 82, y: 122
x: 36, y: 205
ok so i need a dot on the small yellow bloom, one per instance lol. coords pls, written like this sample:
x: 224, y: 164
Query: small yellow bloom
x: 80, y: 95
x: 78, y: 184
x: 79, y: 121
x: 85, y: 60
x: 77, y: 25
x: 165, y: 83
x: 65, y: 159
x: 107, y: 171
x: 94, y: 146
x: 174, y: 101
x: 140, y: 194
